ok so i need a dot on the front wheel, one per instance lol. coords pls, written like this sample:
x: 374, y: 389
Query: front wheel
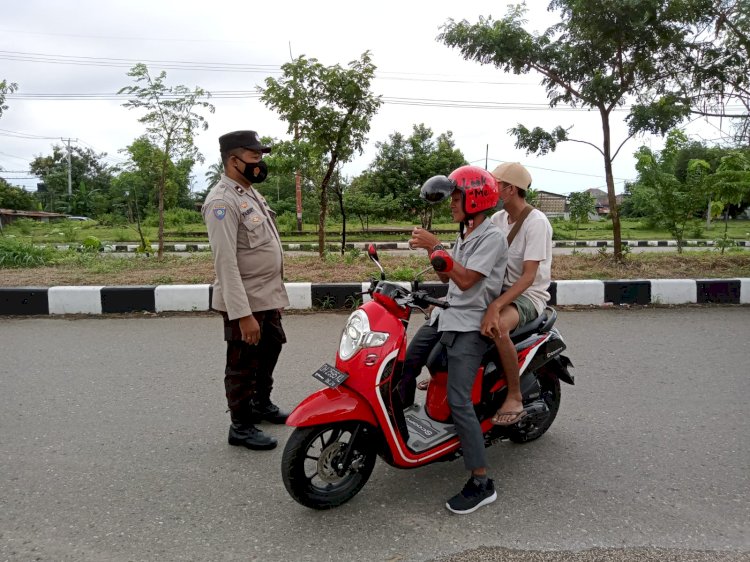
x: 550, y: 393
x: 325, y: 466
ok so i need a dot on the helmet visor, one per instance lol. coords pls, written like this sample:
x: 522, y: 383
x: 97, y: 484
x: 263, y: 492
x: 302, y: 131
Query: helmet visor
x: 437, y: 189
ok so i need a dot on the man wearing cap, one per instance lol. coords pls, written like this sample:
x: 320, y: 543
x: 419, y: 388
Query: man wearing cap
x: 249, y: 288
x: 527, y: 279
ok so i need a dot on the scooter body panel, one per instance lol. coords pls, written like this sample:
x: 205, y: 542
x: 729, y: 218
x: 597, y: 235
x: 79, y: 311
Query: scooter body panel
x: 331, y: 405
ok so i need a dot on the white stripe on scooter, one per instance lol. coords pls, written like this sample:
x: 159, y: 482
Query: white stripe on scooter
x: 387, y: 360
x: 532, y: 353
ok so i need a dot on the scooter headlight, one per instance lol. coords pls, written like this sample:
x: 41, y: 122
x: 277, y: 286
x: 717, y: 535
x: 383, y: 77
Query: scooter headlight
x: 357, y: 335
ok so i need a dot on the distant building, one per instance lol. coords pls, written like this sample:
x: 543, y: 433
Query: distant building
x: 551, y: 204
x: 7, y: 216
x: 601, y: 200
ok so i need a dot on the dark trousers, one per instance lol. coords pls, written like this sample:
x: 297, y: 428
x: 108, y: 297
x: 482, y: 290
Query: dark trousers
x: 465, y: 351
x: 248, y: 376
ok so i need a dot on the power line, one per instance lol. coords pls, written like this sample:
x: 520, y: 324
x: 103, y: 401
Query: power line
x: 244, y: 94
x: 17, y: 134
x: 13, y: 156
x: 222, y: 67
x: 554, y: 170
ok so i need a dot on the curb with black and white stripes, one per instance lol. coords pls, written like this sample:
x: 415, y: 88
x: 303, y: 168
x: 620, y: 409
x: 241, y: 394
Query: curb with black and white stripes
x: 188, y: 247
x: 333, y: 296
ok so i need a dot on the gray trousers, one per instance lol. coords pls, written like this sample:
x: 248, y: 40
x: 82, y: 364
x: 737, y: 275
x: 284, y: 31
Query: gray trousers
x: 465, y: 351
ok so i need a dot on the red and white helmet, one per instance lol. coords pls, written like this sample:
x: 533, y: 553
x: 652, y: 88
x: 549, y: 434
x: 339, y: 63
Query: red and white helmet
x: 478, y: 188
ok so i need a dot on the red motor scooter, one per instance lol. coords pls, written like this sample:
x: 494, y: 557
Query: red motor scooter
x: 341, y: 429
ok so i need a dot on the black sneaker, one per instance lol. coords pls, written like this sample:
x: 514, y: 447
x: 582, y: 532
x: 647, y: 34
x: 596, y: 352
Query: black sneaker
x: 247, y: 435
x: 472, y: 497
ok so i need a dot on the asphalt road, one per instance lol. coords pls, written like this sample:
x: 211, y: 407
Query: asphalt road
x: 112, y: 447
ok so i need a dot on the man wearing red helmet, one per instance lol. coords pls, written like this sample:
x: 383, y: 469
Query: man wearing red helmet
x: 526, y: 279
x: 480, y: 257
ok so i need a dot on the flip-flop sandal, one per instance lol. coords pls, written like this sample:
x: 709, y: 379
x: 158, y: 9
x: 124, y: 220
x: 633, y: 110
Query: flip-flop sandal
x: 517, y: 417
x: 423, y: 385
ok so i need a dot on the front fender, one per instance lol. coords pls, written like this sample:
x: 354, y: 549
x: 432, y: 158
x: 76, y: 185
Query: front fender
x: 332, y: 405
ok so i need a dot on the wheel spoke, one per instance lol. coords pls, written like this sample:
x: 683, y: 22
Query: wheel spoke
x: 334, y: 437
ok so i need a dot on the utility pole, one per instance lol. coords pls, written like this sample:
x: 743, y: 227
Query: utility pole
x: 70, y: 180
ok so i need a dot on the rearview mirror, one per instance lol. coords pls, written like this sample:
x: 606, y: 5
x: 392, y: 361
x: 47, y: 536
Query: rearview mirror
x: 441, y: 261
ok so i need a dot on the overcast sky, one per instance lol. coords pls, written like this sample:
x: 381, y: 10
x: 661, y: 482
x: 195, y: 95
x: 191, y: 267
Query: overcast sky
x: 59, y: 49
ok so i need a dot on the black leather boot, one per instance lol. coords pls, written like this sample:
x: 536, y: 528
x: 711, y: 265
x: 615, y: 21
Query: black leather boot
x: 247, y: 435
x: 268, y: 411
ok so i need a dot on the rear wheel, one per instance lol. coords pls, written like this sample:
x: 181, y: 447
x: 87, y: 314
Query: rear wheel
x: 326, y: 466
x: 550, y: 393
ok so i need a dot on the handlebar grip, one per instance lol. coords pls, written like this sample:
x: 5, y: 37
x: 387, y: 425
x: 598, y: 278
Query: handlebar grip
x: 436, y: 302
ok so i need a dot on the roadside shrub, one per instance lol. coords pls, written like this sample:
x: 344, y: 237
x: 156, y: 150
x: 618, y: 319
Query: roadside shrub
x: 112, y: 219
x: 123, y: 235
x: 286, y: 223
x: 24, y: 226
x: 92, y: 244
x: 696, y: 230
x: 69, y: 232
x: 352, y: 255
x: 403, y: 274
x: 174, y: 218
x: 14, y: 253
x: 144, y: 247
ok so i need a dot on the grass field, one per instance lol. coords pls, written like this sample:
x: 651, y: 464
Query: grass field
x: 74, y: 268
x: 63, y: 232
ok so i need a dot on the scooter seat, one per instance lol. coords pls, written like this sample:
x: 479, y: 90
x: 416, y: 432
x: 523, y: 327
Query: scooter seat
x: 540, y: 324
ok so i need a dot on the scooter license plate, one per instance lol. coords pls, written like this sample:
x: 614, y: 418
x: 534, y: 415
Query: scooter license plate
x: 330, y: 376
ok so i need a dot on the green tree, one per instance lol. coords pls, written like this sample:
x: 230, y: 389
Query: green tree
x: 581, y: 205
x: 600, y: 56
x: 402, y: 165
x: 661, y: 196
x: 731, y: 184
x: 171, y: 121
x: 713, y: 73
x: 329, y: 108
x: 5, y: 89
x: 366, y: 205
x: 88, y: 169
x: 213, y: 175
x: 288, y: 158
x: 12, y: 197
x: 135, y: 190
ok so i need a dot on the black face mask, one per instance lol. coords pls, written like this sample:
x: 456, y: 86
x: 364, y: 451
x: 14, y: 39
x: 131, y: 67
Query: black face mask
x: 255, y: 172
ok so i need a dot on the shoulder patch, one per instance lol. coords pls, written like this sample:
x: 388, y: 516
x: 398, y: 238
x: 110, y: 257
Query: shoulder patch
x: 220, y: 211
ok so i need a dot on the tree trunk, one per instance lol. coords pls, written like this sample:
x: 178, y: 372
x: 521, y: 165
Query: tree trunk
x: 324, y: 206
x: 726, y: 229
x: 340, y: 196
x: 613, y: 211
x: 162, y: 189
x: 138, y: 220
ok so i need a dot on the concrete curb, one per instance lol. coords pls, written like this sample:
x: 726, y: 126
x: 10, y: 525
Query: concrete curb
x: 346, y: 296
x: 189, y: 247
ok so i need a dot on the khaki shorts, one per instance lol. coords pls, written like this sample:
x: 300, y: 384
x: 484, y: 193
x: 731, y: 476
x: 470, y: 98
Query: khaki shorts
x: 526, y: 310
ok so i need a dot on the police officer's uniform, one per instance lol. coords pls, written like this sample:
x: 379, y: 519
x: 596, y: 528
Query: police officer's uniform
x: 249, y: 280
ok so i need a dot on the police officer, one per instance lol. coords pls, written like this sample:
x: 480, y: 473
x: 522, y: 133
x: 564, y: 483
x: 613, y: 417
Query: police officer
x: 249, y: 289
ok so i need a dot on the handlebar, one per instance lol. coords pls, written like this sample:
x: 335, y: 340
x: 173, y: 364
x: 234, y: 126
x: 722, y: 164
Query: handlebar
x: 403, y: 296
x: 421, y: 298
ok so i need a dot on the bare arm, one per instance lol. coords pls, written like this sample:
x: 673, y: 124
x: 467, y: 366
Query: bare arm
x: 491, y: 322
x: 463, y: 278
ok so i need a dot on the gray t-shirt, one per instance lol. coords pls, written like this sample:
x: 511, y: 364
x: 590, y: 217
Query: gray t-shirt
x: 485, y: 251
